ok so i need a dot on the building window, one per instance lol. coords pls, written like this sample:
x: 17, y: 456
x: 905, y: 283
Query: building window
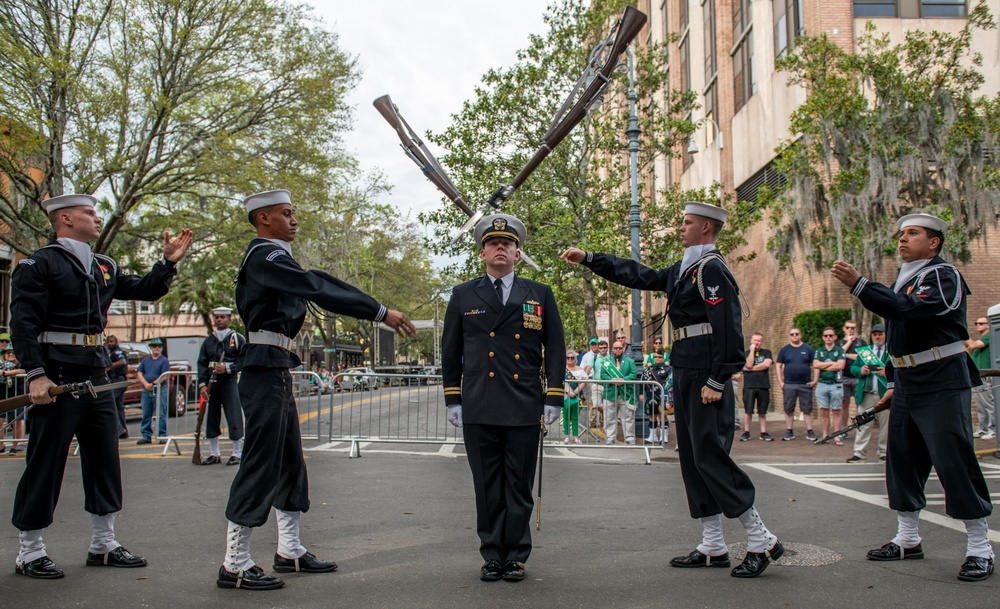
x: 666, y: 20
x: 685, y: 19
x: 943, y: 8
x: 788, y: 23
x: 768, y: 175
x: 744, y: 78
x: 874, y: 8
x: 711, y: 68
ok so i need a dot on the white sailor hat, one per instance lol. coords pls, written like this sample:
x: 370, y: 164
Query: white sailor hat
x: 500, y: 225
x: 222, y: 311
x: 706, y: 211
x: 267, y: 199
x: 924, y: 220
x: 63, y: 201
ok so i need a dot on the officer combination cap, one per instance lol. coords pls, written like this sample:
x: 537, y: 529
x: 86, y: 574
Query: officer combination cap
x: 500, y: 225
x: 222, y: 311
x: 267, y: 199
x: 63, y: 201
x: 924, y: 220
x: 878, y: 328
x: 156, y: 342
x: 706, y: 210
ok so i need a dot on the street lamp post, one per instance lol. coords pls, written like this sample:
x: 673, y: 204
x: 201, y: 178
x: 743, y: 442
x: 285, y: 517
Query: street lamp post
x: 634, y: 212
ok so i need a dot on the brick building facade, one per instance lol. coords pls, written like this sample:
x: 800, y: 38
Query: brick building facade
x: 726, y: 53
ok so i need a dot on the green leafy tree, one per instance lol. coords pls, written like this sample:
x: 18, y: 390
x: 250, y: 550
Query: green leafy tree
x: 153, y: 100
x: 580, y: 194
x: 884, y: 131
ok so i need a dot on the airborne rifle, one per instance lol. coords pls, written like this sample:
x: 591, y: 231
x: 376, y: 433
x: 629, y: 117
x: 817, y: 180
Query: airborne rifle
x: 593, y: 82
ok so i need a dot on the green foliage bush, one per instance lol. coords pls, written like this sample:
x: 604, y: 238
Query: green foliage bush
x: 812, y: 323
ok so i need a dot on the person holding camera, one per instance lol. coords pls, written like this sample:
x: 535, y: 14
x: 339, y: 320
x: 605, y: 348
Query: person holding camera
x: 871, y: 388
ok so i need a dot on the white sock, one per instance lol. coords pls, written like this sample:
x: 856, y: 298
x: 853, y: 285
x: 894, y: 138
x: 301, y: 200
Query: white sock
x: 289, y: 545
x: 102, y: 529
x: 238, y: 549
x: 238, y: 448
x: 759, y: 538
x: 712, y: 541
x: 214, y: 445
x: 32, y: 546
x: 908, y: 534
x: 979, y: 541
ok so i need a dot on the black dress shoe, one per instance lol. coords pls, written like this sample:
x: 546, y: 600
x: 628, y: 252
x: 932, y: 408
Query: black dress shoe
x: 307, y: 563
x: 253, y: 578
x: 211, y: 460
x: 119, y: 557
x: 755, y: 562
x: 891, y: 551
x: 233, y: 460
x: 40, y: 568
x: 513, y: 571
x: 697, y: 559
x: 975, y: 568
x: 491, y: 571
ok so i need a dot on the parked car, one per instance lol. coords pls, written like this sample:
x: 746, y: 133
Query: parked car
x: 350, y: 382
x: 181, y: 388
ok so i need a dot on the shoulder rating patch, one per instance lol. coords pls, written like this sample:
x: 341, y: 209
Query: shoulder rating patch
x: 713, y: 295
x: 275, y: 254
x: 26, y: 261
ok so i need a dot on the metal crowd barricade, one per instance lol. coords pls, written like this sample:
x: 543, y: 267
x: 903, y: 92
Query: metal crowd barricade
x: 180, y: 427
x: 370, y: 409
x: 9, y: 425
x: 309, y: 389
x: 594, y: 437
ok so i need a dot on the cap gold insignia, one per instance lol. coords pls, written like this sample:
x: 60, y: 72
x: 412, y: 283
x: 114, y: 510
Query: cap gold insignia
x: 499, y: 224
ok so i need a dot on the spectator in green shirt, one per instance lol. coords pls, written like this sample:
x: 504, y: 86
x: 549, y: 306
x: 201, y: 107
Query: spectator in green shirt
x: 830, y: 361
x: 983, y: 394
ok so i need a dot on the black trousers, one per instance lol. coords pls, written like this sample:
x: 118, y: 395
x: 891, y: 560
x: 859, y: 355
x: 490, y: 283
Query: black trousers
x: 224, y: 395
x: 935, y: 429
x: 94, y: 422
x: 713, y: 481
x: 120, y: 406
x: 273, y: 471
x: 503, y: 463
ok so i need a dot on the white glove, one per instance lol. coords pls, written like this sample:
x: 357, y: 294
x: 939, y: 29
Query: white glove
x: 552, y: 414
x: 455, y: 415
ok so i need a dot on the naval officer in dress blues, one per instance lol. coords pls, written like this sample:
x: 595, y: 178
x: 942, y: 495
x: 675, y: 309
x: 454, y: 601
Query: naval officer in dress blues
x: 60, y: 297
x: 272, y: 292
x: 704, y: 309
x: 501, y: 333
x: 930, y: 422
x: 217, y: 364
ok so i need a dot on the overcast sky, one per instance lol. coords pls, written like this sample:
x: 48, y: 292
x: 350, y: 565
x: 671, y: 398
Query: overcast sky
x: 429, y: 57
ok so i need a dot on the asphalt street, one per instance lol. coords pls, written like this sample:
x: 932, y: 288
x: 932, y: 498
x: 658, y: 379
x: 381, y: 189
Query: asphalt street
x: 400, y: 521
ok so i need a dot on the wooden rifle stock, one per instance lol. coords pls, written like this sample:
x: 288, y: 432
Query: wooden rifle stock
x: 74, y: 389
x: 202, y: 407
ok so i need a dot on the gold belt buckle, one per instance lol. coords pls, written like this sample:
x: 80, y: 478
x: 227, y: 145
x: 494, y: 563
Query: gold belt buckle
x: 89, y: 340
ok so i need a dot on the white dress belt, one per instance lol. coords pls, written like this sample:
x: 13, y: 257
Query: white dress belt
x: 692, y: 331
x: 264, y: 337
x: 74, y: 339
x: 931, y: 355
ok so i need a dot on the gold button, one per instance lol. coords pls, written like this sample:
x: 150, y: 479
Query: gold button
x: 515, y: 377
x: 517, y: 336
x: 517, y: 356
x: 491, y: 354
x: 492, y: 334
x: 491, y: 375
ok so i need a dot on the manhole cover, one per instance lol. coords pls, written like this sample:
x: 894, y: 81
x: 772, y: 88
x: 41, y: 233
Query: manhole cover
x: 796, y: 555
